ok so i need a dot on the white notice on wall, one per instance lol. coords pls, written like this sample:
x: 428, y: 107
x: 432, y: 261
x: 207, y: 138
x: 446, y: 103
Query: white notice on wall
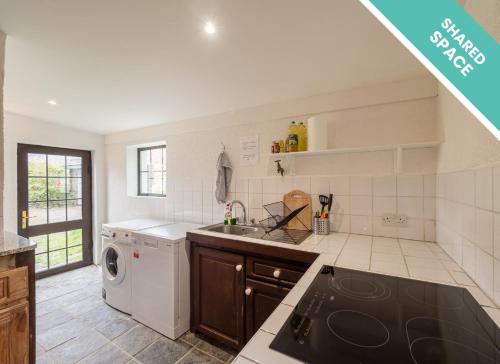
x: 249, y: 150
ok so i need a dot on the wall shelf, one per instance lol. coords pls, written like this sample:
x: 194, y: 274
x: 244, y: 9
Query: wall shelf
x: 396, y: 148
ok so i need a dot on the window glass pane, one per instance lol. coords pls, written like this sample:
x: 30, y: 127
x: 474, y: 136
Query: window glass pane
x: 156, y: 183
x: 57, y: 211
x: 41, y: 262
x: 164, y: 151
x: 37, y: 189
x: 56, y: 165
x: 41, y: 243
x: 37, y: 212
x: 73, y: 166
x: 74, y: 210
x: 157, y: 160
x: 57, y: 241
x: 74, y: 187
x: 37, y: 164
x: 75, y: 254
x: 57, y: 189
x: 57, y: 258
x: 145, y: 156
x: 75, y: 237
x: 144, y: 182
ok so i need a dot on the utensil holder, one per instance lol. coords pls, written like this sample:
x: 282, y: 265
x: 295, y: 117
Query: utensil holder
x: 321, y: 226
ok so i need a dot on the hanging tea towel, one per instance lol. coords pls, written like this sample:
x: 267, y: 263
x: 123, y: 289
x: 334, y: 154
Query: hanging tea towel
x: 224, y: 174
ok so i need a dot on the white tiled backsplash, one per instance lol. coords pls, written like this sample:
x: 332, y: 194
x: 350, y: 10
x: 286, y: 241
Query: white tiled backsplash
x: 468, y: 223
x: 359, y: 201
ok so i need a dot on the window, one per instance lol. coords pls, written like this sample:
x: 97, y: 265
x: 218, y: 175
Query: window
x: 152, y: 170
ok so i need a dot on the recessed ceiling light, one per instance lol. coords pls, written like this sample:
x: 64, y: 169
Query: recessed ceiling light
x: 52, y: 102
x: 209, y: 27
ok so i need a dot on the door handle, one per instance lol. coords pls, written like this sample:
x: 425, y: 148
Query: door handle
x: 24, y: 219
x: 248, y: 291
x: 276, y: 273
x: 239, y: 267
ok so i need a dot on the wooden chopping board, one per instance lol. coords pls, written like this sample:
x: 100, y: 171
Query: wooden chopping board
x: 294, y: 200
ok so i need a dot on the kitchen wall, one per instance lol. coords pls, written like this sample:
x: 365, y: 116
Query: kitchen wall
x: 2, y: 59
x: 23, y: 129
x: 468, y: 180
x: 365, y: 183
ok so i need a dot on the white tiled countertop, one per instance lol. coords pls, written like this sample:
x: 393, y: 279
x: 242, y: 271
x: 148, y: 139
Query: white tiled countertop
x: 395, y: 257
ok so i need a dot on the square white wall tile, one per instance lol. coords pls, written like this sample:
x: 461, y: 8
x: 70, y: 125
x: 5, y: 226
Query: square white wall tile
x: 469, y: 257
x: 484, y: 230
x: 341, y: 205
x: 284, y: 184
x: 361, y: 205
x: 379, y: 229
x: 302, y: 183
x: 484, y: 188
x: 466, y: 191
x: 255, y: 200
x: 411, y: 206
x: 339, y: 185
x: 320, y: 185
x: 414, y: 230
x: 430, y: 208
x: 361, y: 225
x: 496, y: 281
x: 467, y: 224
x: 430, y: 185
x: 430, y: 230
x: 496, y: 188
x: 410, y: 185
x: 484, y: 271
x: 340, y: 223
x: 384, y: 186
x: 361, y: 185
x: 242, y: 185
x: 384, y: 205
x: 269, y: 185
x: 255, y: 185
x: 496, y: 235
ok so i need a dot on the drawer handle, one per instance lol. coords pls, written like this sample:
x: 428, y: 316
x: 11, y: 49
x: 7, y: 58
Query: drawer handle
x: 276, y: 273
x: 248, y: 291
x: 239, y: 267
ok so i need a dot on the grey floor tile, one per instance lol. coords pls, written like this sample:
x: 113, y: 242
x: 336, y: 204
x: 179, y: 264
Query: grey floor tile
x: 108, y: 354
x: 190, y: 338
x: 114, y: 328
x: 39, y: 349
x: 60, y: 334
x: 78, y: 348
x: 163, y: 351
x: 84, y: 305
x: 59, y: 302
x: 198, y: 357
x: 52, y: 319
x: 214, y: 351
x: 100, y: 315
x: 44, y: 359
x: 137, y: 339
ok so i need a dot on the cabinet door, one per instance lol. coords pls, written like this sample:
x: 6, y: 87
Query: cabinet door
x: 261, y: 300
x: 218, y: 287
x: 14, y: 334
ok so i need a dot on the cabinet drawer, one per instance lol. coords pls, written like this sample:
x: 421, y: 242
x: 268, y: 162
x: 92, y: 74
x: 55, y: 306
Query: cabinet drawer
x: 13, y: 285
x: 272, y: 271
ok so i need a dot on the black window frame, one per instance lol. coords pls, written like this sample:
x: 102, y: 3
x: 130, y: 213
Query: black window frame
x: 164, y: 170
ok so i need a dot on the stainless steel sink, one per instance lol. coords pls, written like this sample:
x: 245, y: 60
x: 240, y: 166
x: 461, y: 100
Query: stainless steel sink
x: 232, y: 229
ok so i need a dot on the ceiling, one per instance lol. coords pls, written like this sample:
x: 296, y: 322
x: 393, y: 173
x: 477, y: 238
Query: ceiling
x: 120, y: 64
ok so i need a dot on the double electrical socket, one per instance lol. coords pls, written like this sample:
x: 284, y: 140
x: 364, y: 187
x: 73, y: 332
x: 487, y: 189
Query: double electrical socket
x: 395, y: 220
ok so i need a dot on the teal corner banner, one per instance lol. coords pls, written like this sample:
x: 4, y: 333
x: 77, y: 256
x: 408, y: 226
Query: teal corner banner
x: 451, y: 44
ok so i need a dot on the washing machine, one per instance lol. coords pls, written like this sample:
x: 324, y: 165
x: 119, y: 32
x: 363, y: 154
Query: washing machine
x: 160, y: 278
x: 117, y: 242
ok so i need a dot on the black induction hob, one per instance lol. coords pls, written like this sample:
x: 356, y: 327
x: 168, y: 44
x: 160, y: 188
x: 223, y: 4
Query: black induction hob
x: 353, y: 317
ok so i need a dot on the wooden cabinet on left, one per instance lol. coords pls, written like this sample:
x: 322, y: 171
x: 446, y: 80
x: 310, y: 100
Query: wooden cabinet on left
x: 14, y: 334
x: 17, y: 308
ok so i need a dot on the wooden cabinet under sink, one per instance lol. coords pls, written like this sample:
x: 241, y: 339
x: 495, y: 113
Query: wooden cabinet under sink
x: 236, y: 285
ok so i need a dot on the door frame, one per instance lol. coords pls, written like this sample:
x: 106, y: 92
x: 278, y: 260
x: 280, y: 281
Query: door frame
x: 87, y: 206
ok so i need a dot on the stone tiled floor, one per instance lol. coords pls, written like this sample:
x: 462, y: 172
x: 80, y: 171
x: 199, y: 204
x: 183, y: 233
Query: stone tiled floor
x: 74, y: 325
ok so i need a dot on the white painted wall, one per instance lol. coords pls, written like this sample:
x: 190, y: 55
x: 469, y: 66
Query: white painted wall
x: 391, y: 113
x: 2, y: 58
x: 22, y: 129
x: 468, y: 180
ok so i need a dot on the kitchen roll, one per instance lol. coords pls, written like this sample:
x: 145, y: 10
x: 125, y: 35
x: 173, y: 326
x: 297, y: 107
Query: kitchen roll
x: 317, y: 133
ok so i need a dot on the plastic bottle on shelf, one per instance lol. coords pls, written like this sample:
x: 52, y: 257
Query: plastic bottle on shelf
x: 302, y: 133
x: 293, y: 137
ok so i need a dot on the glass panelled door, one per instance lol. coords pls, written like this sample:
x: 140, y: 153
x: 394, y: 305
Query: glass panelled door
x: 55, y: 206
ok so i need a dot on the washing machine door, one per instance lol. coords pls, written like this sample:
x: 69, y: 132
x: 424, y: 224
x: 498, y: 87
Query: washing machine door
x: 113, y: 264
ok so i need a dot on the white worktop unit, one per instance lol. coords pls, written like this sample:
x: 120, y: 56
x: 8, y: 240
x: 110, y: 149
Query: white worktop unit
x: 396, y: 257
